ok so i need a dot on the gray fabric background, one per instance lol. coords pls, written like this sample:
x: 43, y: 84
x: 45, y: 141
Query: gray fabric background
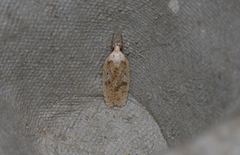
x: 222, y: 139
x: 184, y: 62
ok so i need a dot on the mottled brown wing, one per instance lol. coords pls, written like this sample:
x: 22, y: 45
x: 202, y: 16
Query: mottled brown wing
x: 115, y: 83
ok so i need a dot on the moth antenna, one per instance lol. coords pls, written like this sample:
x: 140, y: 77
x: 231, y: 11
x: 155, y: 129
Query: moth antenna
x: 112, y: 48
x: 122, y: 43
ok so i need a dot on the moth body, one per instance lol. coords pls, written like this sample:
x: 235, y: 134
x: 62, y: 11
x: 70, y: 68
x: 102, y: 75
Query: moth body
x: 116, y: 78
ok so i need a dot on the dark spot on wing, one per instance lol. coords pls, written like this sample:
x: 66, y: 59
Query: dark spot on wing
x: 124, y: 83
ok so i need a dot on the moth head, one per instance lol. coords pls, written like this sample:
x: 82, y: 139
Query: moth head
x: 117, y: 47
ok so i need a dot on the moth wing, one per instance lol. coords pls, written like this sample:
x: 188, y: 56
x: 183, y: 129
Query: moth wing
x: 106, y: 82
x: 115, y: 83
x: 124, y: 81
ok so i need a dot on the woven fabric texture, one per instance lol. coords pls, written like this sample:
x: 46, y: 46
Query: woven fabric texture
x: 184, y: 63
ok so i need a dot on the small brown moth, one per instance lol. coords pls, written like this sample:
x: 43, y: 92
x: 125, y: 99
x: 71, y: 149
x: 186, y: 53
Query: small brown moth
x: 116, y: 77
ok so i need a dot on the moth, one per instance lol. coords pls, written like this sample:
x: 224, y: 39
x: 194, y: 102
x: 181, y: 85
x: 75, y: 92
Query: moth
x: 116, y: 77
